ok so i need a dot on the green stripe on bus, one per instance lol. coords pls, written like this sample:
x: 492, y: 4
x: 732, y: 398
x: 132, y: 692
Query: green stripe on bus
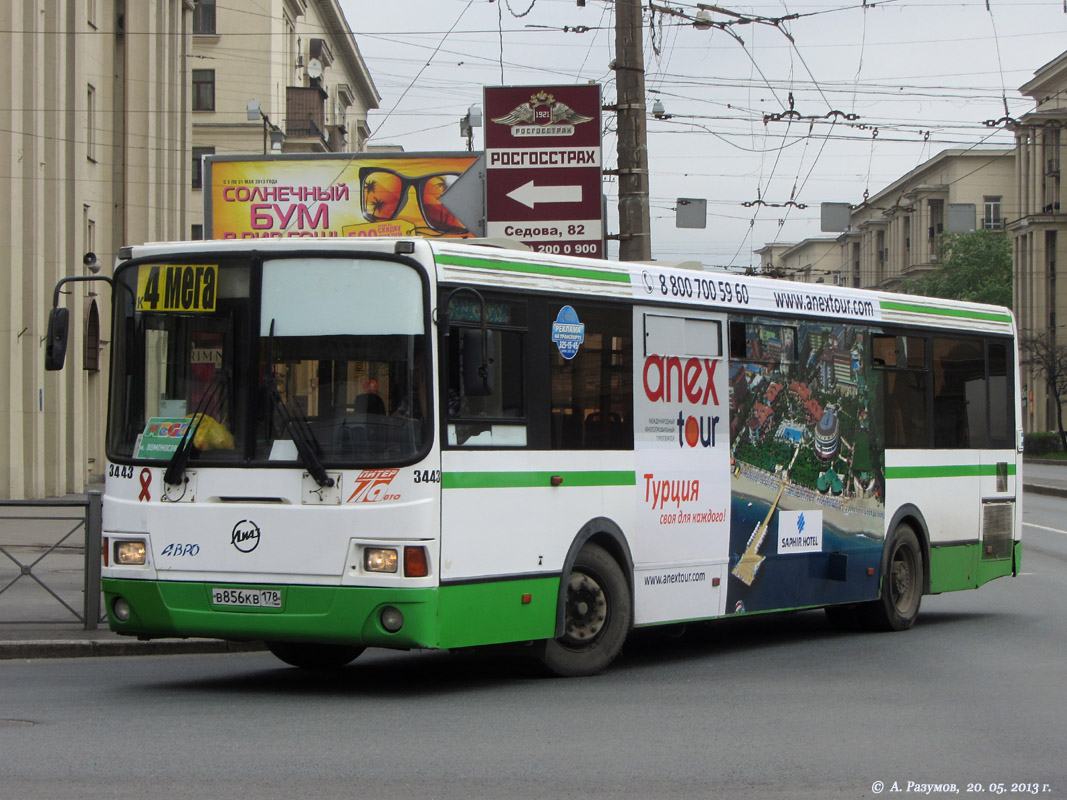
x: 535, y: 269
x: 991, y: 316
x: 529, y: 480
x: 947, y: 471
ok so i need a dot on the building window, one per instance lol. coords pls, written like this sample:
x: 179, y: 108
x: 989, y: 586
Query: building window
x: 90, y: 123
x: 198, y: 165
x: 1050, y: 143
x: 91, y: 353
x: 197, y: 233
x: 203, y: 90
x: 992, y: 221
x: 204, y: 18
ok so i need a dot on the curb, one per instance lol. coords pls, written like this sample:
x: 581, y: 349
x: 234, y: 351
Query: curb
x: 91, y: 648
x: 1040, y: 488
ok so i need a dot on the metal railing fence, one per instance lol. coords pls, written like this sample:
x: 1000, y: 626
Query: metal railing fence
x: 19, y: 544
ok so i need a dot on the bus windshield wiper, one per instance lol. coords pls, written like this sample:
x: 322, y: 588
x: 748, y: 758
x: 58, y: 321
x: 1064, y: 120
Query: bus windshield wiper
x: 307, y: 446
x: 179, y: 460
x: 303, y: 437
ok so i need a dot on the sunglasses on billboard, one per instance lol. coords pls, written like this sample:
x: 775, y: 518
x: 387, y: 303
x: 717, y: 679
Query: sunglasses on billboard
x: 384, y: 193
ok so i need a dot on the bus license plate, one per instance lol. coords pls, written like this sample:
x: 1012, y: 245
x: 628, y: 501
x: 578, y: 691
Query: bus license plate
x: 246, y: 598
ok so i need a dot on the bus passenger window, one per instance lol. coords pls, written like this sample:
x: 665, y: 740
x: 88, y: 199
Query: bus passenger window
x: 960, y: 407
x: 1001, y: 396
x: 901, y: 365
x: 592, y: 392
x: 485, y: 398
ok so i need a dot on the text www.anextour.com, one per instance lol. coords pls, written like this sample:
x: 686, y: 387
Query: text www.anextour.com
x: 675, y: 577
x: 824, y: 304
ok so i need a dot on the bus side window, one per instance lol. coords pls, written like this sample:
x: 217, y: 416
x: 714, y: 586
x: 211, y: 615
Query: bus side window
x: 484, y: 393
x: 902, y: 363
x: 592, y: 392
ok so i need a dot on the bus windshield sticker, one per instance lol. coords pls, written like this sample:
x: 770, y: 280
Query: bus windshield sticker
x: 567, y: 332
x: 161, y: 436
x: 180, y: 288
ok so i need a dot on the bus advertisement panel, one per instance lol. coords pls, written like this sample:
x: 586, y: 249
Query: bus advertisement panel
x: 310, y: 195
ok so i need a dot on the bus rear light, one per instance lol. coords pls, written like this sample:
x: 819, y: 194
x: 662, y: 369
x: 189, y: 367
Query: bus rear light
x: 416, y: 564
x: 105, y: 553
x: 379, y: 559
x: 130, y: 552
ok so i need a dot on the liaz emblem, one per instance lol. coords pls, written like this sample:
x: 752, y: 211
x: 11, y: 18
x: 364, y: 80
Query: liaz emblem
x: 245, y: 536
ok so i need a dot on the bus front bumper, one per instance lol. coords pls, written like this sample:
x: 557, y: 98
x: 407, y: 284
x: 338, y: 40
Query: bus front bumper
x: 450, y: 616
x: 349, y: 615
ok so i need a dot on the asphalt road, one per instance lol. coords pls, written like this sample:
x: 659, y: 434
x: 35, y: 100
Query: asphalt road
x: 780, y: 707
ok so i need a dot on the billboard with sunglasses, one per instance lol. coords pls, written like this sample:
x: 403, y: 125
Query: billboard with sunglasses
x: 325, y: 195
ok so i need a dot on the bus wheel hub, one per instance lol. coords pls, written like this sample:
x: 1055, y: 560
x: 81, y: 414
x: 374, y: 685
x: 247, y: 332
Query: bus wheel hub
x: 587, y: 608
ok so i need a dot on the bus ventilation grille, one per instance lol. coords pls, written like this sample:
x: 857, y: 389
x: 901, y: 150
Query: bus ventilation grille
x: 997, y: 526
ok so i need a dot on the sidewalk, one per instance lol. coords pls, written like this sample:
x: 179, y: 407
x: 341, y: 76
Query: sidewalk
x: 23, y: 640
x: 63, y: 640
x: 1045, y: 476
x: 46, y: 544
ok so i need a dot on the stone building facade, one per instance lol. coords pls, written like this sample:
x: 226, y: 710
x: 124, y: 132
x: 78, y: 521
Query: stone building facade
x: 95, y: 139
x: 1039, y: 229
x: 892, y: 234
x: 297, y: 61
x: 111, y: 103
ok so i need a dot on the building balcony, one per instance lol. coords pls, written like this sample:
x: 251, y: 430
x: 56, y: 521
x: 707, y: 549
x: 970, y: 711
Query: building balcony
x: 305, y: 119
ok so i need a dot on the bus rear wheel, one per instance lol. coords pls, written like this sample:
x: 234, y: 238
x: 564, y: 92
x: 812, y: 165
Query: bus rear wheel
x: 314, y: 656
x: 598, y: 614
x: 902, y: 584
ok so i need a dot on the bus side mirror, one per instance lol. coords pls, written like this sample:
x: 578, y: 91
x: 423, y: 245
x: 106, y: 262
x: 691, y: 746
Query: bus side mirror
x: 55, y: 351
x: 477, y: 358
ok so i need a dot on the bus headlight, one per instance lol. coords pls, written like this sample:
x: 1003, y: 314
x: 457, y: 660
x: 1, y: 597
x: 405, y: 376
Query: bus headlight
x: 379, y: 559
x: 130, y: 552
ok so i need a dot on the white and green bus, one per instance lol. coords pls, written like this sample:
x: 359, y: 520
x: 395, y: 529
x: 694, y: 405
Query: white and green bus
x: 337, y: 444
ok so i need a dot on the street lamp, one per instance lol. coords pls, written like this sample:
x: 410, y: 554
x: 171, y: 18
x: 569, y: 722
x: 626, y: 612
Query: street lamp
x: 270, y: 130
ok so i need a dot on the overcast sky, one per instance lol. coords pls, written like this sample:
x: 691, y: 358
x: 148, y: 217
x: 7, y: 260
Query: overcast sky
x: 925, y: 74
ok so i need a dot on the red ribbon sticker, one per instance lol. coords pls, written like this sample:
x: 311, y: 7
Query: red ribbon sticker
x: 146, y: 481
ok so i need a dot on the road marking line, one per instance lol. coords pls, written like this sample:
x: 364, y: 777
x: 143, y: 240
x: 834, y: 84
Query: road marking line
x: 1044, y: 527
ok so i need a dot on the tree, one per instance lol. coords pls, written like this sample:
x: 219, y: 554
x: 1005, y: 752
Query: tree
x: 1049, y: 361
x: 972, y: 266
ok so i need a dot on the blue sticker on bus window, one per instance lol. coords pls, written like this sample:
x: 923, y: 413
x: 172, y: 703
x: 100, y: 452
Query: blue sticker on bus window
x: 567, y: 332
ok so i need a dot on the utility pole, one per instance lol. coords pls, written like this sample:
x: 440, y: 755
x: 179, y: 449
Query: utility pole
x: 635, y: 239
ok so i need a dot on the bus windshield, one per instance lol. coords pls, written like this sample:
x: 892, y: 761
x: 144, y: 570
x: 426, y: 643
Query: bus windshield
x: 269, y: 360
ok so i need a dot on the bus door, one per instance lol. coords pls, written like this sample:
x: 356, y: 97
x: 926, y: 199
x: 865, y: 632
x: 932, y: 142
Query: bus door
x: 682, y: 459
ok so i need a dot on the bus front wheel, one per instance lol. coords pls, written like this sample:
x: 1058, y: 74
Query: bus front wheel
x: 902, y: 584
x: 597, y: 616
x: 314, y: 656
